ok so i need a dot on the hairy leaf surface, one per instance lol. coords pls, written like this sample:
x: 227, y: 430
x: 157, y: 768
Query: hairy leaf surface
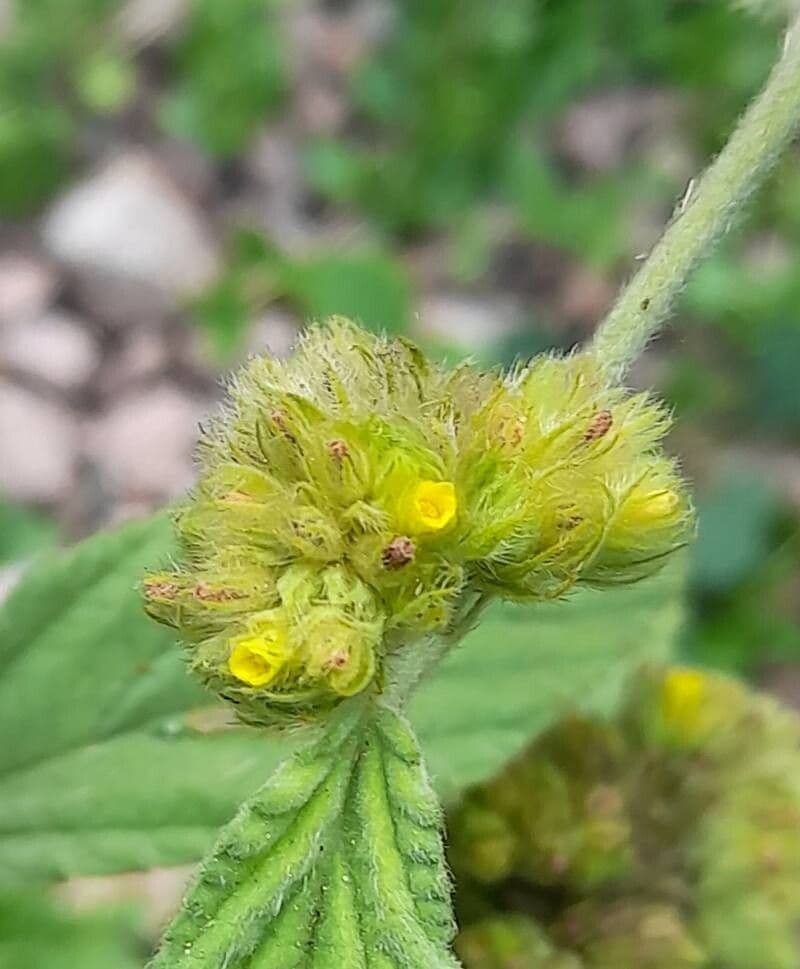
x: 336, y: 861
x: 100, y: 767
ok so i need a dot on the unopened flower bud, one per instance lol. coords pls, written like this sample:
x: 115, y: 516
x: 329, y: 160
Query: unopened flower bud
x: 399, y: 552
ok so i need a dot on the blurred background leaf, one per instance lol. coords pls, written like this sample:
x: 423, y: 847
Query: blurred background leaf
x: 37, y: 933
x: 734, y: 539
x: 367, y: 287
x: 229, y: 72
x: 23, y: 532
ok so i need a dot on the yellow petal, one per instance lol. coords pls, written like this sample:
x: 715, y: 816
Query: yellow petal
x: 648, y: 508
x: 432, y: 506
x: 257, y: 660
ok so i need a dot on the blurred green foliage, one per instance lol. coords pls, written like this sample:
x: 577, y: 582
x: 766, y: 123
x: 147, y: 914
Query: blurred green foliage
x: 734, y: 540
x: 36, y: 933
x: 448, y: 95
x: 745, y: 565
x: 23, y: 532
x: 365, y: 285
x: 452, y: 117
x: 229, y: 72
x: 64, y: 64
x: 37, y: 128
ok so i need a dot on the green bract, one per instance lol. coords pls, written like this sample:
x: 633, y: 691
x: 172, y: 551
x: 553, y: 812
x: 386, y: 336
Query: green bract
x: 357, y: 500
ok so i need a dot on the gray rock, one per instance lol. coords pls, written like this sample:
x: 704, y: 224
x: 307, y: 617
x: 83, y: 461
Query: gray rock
x: 321, y: 108
x: 320, y: 40
x: 274, y: 159
x: 27, y: 287
x: 143, y: 21
x: 141, y: 358
x: 275, y: 333
x: 119, y: 302
x: 584, y: 296
x: 38, y: 447
x: 276, y: 200
x: 467, y: 322
x: 143, y: 446
x: 55, y: 348
x: 599, y: 132
x: 190, y: 169
x: 129, y: 222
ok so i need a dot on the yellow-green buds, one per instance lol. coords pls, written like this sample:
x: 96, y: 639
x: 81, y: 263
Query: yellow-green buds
x: 578, y: 836
x: 357, y: 499
x: 666, y: 839
x: 511, y: 942
x: 631, y: 935
x: 686, y: 708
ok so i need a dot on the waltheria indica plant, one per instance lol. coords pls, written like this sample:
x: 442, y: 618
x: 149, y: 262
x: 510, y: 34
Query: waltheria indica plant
x: 358, y: 500
x: 666, y: 839
x: 357, y: 507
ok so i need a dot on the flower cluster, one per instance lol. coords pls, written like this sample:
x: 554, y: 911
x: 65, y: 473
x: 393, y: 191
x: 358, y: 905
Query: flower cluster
x: 358, y: 498
x: 667, y: 839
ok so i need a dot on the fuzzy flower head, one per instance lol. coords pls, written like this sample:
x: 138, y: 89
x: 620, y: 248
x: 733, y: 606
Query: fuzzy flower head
x: 358, y: 499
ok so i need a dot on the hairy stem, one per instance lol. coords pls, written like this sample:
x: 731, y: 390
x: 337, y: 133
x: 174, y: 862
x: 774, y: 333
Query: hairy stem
x: 410, y: 667
x: 707, y: 211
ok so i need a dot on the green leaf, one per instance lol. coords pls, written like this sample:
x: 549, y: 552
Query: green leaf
x: 737, y: 520
x: 137, y: 801
x: 23, y: 532
x: 103, y: 768
x: 249, y: 283
x: 336, y: 861
x: 78, y: 663
x: 524, y: 667
x: 368, y: 287
x: 36, y: 934
x: 230, y: 74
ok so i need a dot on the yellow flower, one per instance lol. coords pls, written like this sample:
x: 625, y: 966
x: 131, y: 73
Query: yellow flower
x: 257, y: 660
x: 649, y: 507
x: 431, y: 506
x: 683, y: 696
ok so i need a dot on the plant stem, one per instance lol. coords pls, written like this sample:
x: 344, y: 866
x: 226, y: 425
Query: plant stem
x: 410, y: 666
x: 707, y: 211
